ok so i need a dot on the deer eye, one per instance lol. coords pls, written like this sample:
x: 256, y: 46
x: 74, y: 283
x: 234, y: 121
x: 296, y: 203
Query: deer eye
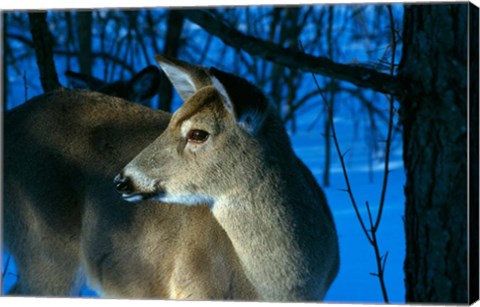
x: 197, y: 136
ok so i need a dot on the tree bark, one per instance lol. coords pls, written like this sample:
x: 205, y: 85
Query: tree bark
x: 434, y: 117
x: 6, y: 52
x: 43, y: 45
x: 473, y: 213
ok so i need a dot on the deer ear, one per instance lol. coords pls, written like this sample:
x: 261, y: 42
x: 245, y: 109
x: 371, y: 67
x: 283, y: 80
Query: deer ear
x: 186, y: 78
x: 226, y: 98
x: 81, y: 81
x: 242, y: 99
x: 145, y: 84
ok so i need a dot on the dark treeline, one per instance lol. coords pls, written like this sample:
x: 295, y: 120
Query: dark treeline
x: 112, y: 44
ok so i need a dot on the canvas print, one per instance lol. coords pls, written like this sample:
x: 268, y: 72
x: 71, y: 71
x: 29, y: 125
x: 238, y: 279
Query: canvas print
x: 302, y: 153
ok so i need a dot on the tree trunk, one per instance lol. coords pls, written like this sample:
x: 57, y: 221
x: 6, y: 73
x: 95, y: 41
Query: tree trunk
x: 473, y: 247
x: 175, y: 22
x: 84, y: 33
x: 6, y: 51
x: 434, y: 117
x: 43, y: 44
x: 331, y: 102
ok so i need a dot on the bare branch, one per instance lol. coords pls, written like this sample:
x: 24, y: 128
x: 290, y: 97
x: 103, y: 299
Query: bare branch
x: 356, y: 74
x: 172, y: 45
x: 371, y: 233
x: 25, y: 85
x: 5, y: 270
x: 390, y: 127
x: 342, y: 163
x: 102, y: 55
x: 43, y: 46
x: 84, y: 34
x: 381, y: 261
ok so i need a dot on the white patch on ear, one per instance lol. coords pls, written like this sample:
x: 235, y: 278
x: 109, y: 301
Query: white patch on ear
x: 180, y: 79
x: 185, y: 127
x: 228, y: 102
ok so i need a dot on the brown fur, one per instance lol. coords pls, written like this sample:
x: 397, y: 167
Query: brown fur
x: 63, y: 219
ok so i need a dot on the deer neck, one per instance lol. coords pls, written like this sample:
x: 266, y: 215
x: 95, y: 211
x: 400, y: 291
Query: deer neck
x: 262, y: 221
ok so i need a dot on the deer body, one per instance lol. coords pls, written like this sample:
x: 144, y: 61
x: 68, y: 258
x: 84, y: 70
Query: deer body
x: 64, y: 222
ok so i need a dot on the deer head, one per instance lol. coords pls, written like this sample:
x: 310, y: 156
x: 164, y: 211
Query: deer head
x: 215, y: 140
x: 140, y: 88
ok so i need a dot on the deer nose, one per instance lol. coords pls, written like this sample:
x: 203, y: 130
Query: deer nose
x: 123, y: 184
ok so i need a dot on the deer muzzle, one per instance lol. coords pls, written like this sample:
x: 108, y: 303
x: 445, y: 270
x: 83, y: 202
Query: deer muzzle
x: 125, y: 187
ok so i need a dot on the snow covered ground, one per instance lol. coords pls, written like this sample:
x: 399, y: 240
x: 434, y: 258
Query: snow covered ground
x: 354, y: 283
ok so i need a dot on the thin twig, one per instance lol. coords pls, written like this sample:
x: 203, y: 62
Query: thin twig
x: 372, y: 238
x: 378, y: 259
x: 372, y: 233
x: 341, y: 158
x: 381, y: 261
x: 384, y: 263
x: 25, y: 85
x: 4, y: 273
x: 390, y: 126
x: 133, y: 21
x: 152, y: 26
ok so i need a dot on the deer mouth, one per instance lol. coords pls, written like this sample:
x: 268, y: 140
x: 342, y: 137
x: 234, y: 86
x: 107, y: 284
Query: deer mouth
x: 137, y: 197
x: 125, y: 186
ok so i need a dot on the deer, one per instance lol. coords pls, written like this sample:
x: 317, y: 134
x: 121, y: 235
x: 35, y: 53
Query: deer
x: 65, y: 223
x: 140, y: 88
x: 227, y: 147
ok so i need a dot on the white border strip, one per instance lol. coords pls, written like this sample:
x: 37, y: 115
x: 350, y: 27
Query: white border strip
x: 89, y: 4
